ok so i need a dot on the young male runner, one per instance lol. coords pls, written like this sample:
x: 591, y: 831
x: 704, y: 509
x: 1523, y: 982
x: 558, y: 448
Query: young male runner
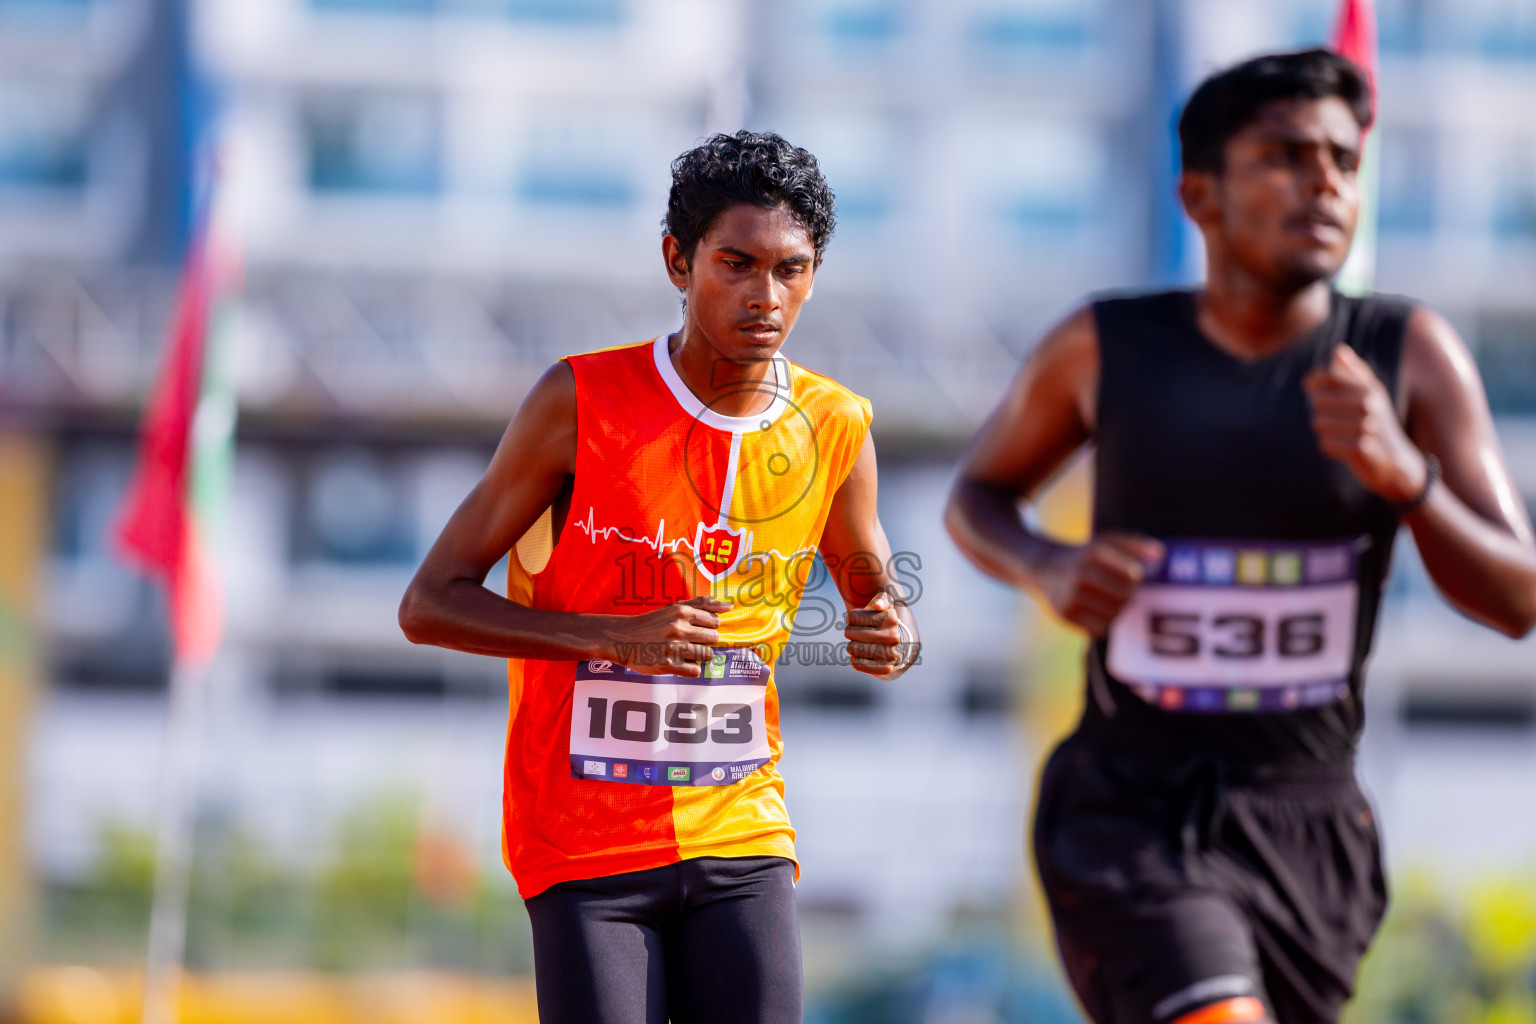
x: 689, y: 482
x: 1204, y: 848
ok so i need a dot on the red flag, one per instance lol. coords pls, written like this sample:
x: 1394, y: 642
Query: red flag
x: 154, y: 528
x: 1354, y: 36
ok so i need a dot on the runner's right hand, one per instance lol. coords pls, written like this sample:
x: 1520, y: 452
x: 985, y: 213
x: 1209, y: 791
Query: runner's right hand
x: 1089, y: 585
x: 671, y: 641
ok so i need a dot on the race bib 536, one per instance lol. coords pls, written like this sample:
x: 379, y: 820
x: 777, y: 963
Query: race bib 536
x: 1241, y: 626
x: 671, y: 730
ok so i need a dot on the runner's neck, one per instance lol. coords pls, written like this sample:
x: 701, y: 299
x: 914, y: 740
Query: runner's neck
x: 729, y: 387
x: 1250, y: 320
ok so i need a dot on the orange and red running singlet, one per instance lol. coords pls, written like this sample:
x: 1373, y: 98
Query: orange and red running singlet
x: 607, y: 770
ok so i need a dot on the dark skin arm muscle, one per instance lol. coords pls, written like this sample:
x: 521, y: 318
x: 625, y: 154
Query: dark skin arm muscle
x: 448, y: 605
x: 1473, y: 533
x: 854, y: 542
x: 1047, y: 415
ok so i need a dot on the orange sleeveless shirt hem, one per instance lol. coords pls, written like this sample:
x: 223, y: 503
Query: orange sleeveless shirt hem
x: 532, y: 883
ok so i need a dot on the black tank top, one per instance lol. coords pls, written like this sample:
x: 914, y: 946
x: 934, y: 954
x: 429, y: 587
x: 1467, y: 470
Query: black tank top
x: 1216, y: 456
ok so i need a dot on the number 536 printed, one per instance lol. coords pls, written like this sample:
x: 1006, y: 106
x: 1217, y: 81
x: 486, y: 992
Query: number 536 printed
x: 1223, y: 636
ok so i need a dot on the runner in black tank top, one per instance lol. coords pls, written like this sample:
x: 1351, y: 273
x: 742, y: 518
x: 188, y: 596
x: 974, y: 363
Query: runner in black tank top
x: 1207, y: 855
x: 1196, y: 444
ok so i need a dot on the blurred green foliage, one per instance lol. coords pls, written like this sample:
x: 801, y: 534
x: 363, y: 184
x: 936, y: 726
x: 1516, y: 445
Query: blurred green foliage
x: 94, y: 918
x: 385, y: 892
x: 1443, y: 957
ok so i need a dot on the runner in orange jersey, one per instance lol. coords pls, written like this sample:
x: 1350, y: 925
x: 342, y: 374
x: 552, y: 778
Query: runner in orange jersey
x: 667, y: 502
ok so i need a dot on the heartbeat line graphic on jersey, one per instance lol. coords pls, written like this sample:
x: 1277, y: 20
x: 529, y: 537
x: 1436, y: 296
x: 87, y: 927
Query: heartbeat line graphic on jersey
x: 658, y: 543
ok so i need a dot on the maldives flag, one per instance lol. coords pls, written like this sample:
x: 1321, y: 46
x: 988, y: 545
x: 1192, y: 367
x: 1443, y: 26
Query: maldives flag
x: 1354, y: 36
x: 169, y: 518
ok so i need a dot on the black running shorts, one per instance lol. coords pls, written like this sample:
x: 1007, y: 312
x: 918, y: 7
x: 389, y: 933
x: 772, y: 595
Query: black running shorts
x: 1176, y: 885
x: 702, y: 941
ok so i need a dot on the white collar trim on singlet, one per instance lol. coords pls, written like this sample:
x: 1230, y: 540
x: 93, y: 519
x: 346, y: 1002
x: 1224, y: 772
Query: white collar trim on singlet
x: 709, y: 417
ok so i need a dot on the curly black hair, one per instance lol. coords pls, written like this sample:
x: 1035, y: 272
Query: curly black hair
x: 1228, y: 101
x: 748, y: 167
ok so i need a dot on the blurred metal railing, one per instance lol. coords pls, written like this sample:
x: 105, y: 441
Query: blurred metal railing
x: 380, y: 346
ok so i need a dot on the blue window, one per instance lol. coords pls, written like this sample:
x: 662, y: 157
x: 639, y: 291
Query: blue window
x: 43, y: 135
x: 44, y: 10
x: 376, y: 6
x: 860, y: 153
x: 1514, y: 198
x: 559, y: 12
x: 1062, y: 31
x: 1506, y: 30
x: 1014, y: 34
x: 862, y: 25
x: 89, y: 489
x: 45, y: 13
x: 568, y: 12
x: 1042, y: 179
x: 1400, y: 26
x: 1408, y: 181
x: 1033, y: 215
x: 575, y: 186
x: 865, y: 201
x: 379, y: 144
x: 354, y: 509
x: 1506, y: 357
x: 1312, y: 23
x: 51, y: 164
x: 579, y: 156
x: 1516, y: 44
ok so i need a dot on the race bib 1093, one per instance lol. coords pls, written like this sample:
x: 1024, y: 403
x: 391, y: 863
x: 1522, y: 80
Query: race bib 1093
x: 671, y: 730
x: 1230, y: 626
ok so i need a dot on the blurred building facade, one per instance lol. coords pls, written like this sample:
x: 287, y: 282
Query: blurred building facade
x: 441, y: 197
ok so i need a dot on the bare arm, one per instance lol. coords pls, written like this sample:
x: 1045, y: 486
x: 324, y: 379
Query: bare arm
x: 1048, y: 414
x: 448, y: 605
x: 1472, y: 530
x: 855, y: 547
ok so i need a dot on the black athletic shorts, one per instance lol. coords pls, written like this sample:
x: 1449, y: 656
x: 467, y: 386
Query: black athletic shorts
x: 711, y: 940
x: 1176, y: 886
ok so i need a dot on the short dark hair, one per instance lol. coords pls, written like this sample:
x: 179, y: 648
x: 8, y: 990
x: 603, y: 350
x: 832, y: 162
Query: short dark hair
x: 1228, y: 101
x: 748, y: 167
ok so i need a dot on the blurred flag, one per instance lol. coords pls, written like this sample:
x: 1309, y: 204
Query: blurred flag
x: 168, y: 525
x: 1354, y: 36
x: 169, y: 519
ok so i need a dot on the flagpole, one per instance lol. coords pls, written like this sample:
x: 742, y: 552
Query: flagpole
x: 1354, y: 36
x: 173, y: 847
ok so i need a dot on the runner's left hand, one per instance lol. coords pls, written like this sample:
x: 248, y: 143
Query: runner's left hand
x: 1355, y: 423
x: 875, y: 644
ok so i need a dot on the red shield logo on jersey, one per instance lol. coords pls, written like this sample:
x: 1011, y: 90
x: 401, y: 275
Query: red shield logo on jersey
x: 717, y: 549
